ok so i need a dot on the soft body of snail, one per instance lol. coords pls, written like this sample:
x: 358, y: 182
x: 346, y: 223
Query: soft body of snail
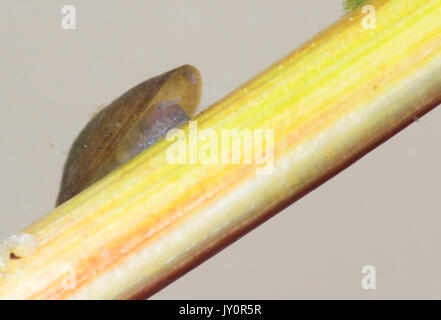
x: 129, y: 125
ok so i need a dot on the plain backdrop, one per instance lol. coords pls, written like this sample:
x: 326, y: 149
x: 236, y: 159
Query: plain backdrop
x: 382, y: 211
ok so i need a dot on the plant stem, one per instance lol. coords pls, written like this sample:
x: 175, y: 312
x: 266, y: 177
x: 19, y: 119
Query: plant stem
x: 330, y: 101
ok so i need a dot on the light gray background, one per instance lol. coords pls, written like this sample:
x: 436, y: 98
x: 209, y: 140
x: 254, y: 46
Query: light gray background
x: 383, y: 210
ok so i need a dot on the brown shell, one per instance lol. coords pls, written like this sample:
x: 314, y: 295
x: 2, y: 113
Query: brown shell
x: 157, y: 104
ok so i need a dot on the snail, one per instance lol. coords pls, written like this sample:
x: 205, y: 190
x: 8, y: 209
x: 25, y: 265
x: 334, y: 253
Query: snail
x: 129, y: 125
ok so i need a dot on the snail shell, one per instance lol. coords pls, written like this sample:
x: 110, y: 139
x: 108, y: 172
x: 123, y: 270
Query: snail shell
x: 129, y: 125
